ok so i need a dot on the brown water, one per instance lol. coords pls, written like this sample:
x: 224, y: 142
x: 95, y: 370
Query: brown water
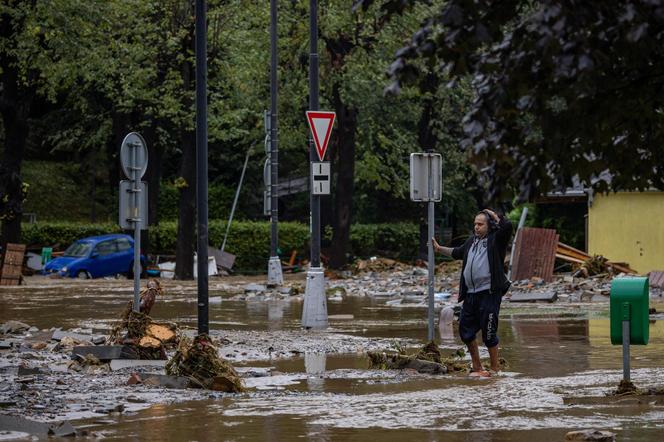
x: 552, y: 352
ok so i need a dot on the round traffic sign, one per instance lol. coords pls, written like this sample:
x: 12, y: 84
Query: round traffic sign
x: 134, y: 154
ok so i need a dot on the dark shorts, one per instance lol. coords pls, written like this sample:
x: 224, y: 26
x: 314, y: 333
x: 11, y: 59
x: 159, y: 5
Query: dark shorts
x: 480, y: 312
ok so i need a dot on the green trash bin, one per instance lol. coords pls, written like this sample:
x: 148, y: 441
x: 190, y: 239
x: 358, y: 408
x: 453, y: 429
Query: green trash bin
x: 46, y: 255
x: 630, y: 302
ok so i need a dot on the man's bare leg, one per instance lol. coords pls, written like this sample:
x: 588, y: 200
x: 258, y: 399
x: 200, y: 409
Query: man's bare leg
x: 493, y: 354
x: 475, y: 355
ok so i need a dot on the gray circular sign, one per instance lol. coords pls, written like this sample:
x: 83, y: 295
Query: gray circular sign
x: 134, y: 154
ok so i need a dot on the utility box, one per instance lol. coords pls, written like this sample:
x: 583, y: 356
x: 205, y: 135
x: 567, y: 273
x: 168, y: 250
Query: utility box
x: 630, y: 301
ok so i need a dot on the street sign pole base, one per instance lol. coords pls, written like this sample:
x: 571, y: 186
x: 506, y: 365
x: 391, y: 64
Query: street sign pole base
x: 314, y: 311
x: 274, y: 273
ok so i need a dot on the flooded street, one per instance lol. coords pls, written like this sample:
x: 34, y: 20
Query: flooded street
x: 320, y: 386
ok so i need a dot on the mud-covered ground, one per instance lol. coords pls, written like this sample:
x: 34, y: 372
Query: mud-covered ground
x: 554, y: 350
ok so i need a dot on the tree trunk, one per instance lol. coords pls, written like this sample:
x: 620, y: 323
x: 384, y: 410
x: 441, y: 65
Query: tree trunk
x: 184, y: 250
x: 15, y: 105
x: 425, y: 136
x: 120, y: 125
x: 345, y: 186
x: 155, y: 155
x: 11, y: 184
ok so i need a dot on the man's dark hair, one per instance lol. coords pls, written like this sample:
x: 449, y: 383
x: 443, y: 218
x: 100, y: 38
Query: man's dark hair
x: 489, y: 219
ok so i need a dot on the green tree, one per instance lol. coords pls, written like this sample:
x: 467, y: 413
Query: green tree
x: 564, y: 88
x: 42, y: 44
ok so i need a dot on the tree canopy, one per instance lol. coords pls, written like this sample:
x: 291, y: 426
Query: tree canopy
x: 563, y: 88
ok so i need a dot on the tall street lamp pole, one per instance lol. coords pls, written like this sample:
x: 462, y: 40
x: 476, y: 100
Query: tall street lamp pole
x: 201, y: 165
x: 274, y: 273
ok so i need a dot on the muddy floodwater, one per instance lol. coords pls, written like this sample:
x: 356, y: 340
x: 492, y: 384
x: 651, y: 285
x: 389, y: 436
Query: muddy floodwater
x: 553, y: 351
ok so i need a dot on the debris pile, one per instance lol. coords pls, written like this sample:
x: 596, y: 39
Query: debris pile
x: 625, y: 387
x: 428, y: 360
x: 200, y: 362
x: 595, y: 265
x: 137, y: 329
x: 375, y: 264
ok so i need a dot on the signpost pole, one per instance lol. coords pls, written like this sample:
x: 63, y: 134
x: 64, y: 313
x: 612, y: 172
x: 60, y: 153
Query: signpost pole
x: 133, y: 196
x: 430, y: 248
x: 136, y: 190
x: 274, y: 273
x: 313, y: 106
x: 426, y: 175
x: 314, y: 311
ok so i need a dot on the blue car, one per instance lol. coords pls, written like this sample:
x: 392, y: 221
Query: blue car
x: 96, y: 257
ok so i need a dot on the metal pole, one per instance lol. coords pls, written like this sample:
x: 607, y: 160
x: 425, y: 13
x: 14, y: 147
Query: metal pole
x: 274, y: 274
x: 136, y: 181
x: 314, y: 310
x: 625, y: 344
x: 237, y: 194
x: 430, y: 248
x: 625, y: 339
x: 274, y: 152
x: 201, y: 164
x: 522, y: 221
x: 313, y: 106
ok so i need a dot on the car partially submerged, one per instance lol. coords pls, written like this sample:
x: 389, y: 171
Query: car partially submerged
x: 96, y: 257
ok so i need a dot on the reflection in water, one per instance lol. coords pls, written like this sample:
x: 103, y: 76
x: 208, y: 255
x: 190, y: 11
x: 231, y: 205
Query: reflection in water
x: 275, y: 314
x: 314, y: 365
x: 548, y: 347
x: 445, y: 324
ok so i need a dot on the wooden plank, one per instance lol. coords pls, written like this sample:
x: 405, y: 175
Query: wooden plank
x: 569, y: 258
x: 12, y: 264
x: 533, y: 297
x: 106, y: 352
x: 564, y: 249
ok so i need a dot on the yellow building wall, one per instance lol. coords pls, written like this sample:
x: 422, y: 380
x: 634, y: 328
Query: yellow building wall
x: 628, y: 227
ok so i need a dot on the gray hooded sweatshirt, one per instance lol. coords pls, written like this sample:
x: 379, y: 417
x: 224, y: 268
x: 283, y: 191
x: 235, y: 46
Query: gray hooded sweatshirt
x: 477, y: 273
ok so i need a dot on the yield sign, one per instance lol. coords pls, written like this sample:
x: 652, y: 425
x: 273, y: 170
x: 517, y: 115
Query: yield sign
x: 321, y: 123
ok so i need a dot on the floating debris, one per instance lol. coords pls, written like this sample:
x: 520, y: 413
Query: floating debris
x: 200, y: 362
x: 625, y: 387
x: 139, y: 330
x: 428, y: 359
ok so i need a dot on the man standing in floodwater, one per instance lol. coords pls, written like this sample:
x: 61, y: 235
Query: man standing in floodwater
x: 483, y: 284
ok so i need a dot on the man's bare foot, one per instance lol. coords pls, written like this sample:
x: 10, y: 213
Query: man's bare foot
x: 480, y: 374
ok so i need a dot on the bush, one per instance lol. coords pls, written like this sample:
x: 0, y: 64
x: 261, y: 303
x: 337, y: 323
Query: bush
x: 248, y: 240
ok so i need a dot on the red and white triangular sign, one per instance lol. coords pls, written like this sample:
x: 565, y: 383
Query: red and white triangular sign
x: 321, y: 123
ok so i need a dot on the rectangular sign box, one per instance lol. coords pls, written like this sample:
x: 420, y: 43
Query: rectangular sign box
x: 423, y: 166
x: 127, y: 209
x: 320, y: 178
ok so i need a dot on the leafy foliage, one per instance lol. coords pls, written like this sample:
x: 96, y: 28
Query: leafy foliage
x: 563, y: 88
x: 249, y: 240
